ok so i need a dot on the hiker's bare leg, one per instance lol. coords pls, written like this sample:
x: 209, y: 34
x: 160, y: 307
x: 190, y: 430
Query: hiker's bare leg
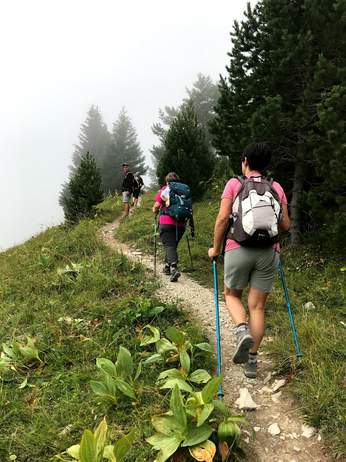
x: 126, y: 209
x: 256, y: 303
x: 234, y: 305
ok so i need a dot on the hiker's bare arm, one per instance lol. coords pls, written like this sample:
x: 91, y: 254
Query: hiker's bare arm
x: 285, y: 222
x: 156, y: 207
x: 220, y: 226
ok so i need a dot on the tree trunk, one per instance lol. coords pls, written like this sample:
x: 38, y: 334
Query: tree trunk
x: 296, y: 203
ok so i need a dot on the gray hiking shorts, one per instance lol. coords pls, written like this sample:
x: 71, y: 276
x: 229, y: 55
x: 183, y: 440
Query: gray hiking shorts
x: 126, y: 197
x: 256, y: 267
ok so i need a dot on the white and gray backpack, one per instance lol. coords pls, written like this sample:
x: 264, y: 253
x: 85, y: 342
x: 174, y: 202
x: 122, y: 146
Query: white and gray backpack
x: 256, y: 213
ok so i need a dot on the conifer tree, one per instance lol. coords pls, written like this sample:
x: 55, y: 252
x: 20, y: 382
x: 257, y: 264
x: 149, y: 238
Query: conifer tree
x: 203, y: 95
x: 125, y: 147
x: 187, y: 152
x: 83, y: 191
x: 94, y: 137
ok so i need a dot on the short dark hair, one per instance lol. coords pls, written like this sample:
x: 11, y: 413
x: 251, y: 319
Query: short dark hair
x: 258, y: 156
x: 171, y: 176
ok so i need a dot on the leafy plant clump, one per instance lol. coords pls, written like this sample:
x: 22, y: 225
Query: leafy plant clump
x: 118, y: 377
x: 18, y: 356
x: 93, y: 447
x: 188, y: 425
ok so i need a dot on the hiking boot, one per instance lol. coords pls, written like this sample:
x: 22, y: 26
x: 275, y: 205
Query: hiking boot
x: 250, y: 368
x: 244, y: 343
x: 166, y: 270
x: 175, y: 275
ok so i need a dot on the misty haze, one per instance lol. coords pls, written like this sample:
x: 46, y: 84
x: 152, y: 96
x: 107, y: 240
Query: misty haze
x: 61, y: 58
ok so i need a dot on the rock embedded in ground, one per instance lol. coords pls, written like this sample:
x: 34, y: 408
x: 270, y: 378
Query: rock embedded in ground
x: 307, y: 431
x: 245, y: 401
x: 265, y: 390
x: 276, y: 397
x: 267, y: 379
x: 278, y: 384
x: 309, y: 306
x: 274, y: 429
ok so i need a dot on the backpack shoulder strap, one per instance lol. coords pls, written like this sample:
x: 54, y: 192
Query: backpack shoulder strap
x: 240, y: 178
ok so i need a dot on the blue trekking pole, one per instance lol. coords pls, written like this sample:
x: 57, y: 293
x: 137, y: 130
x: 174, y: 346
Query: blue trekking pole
x: 217, y: 320
x: 299, y: 354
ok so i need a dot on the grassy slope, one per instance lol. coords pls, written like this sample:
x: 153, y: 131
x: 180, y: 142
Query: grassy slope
x: 50, y: 413
x: 312, y: 276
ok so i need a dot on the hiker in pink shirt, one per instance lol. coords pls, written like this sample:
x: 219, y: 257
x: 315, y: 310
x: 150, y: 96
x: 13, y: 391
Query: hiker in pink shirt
x: 249, y: 263
x: 171, y: 230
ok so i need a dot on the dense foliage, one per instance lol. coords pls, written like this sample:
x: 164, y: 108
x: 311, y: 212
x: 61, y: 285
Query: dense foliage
x: 83, y: 191
x: 187, y: 152
x: 203, y: 96
x: 285, y: 85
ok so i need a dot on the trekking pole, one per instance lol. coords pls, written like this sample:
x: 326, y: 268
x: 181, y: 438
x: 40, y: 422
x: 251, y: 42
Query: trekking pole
x: 299, y: 354
x: 188, y: 246
x: 155, y: 243
x: 217, y: 321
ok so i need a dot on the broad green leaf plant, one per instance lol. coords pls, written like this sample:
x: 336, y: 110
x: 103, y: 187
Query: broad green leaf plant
x: 177, y: 347
x: 19, y: 355
x: 190, y: 422
x: 93, y: 447
x: 117, y: 378
x: 176, y: 429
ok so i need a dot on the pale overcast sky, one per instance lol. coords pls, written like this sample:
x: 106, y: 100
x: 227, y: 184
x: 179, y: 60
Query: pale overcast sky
x: 60, y: 57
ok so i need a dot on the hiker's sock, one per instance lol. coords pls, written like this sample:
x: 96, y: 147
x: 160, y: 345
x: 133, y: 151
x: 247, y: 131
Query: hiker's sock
x: 241, y: 327
x: 250, y: 368
x: 174, y: 273
x: 166, y: 269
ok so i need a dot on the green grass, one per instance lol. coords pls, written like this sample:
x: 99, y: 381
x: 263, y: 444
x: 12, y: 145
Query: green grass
x: 75, y: 319
x: 313, y: 275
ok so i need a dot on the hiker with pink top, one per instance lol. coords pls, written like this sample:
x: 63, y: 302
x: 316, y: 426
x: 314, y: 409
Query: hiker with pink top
x: 253, y: 209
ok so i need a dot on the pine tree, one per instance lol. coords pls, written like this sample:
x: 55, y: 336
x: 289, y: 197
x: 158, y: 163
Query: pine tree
x: 94, y: 137
x: 203, y: 95
x: 124, y: 148
x: 187, y: 152
x: 83, y: 191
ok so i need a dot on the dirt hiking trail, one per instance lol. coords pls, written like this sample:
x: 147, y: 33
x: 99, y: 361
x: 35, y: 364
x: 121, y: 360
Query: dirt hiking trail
x: 280, y: 433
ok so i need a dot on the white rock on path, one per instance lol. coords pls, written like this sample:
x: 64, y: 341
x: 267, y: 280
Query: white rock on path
x: 265, y: 390
x: 267, y: 379
x: 278, y: 384
x: 276, y: 397
x: 307, y: 431
x: 245, y: 401
x: 274, y: 429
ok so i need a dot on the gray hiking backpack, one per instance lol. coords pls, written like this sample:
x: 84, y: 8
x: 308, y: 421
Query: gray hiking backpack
x: 256, y: 213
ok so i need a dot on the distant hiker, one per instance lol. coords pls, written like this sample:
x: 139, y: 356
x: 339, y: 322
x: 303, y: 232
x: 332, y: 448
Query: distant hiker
x: 173, y: 203
x: 138, y: 189
x: 127, y: 188
x: 257, y: 208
